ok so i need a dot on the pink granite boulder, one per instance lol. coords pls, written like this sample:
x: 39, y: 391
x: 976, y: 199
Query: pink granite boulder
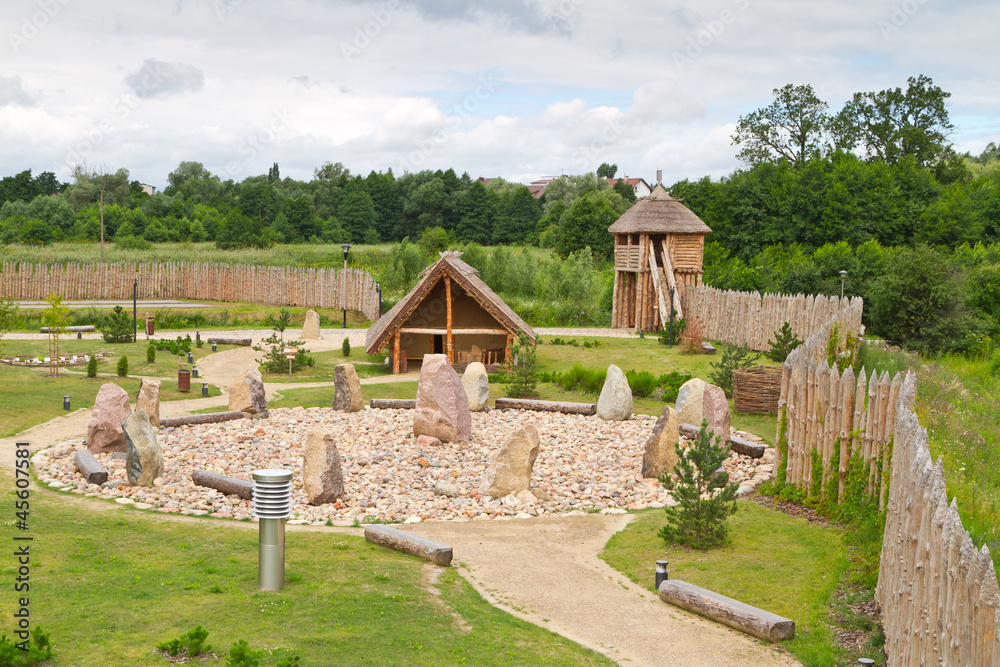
x: 104, y: 432
x: 442, y: 404
x: 715, y: 408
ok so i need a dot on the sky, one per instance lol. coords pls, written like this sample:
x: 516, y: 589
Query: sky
x: 520, y: 89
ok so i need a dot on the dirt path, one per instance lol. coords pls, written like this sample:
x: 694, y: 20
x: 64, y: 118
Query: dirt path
x: 546, y: 571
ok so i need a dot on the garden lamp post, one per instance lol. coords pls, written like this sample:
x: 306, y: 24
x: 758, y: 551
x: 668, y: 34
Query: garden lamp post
x: 843, y: 275
x: 135, y: 290
x: 347, y: 249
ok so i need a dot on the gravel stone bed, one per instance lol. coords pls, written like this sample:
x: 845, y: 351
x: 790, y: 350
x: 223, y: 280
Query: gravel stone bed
x: 585, y: 464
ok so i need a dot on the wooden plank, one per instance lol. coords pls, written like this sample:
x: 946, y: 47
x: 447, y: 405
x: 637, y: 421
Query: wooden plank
x: 444, y: 332
x: 90, y: 467
x: 735, y: 614
x: 450, y: 340
x: 228, y: 485
x: 399, y: 540
x: 546, y: 406
x: 654, y: 271
x: 245, y: 342
x: 393, y: 403
x: 208, y: 418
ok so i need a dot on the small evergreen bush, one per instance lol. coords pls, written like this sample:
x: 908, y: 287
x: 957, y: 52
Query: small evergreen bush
x: 734, y: 357
x: 524, y: 370
x: 123, y: 366
x: 118, y: 328
x: 150, y: 353
x: 92, y: 366
x: 274, y: 360
x: 346, y: 347
x: 191, y: 642
x: 784, y: 342
x: 241, y: 655
x: 39, y: 649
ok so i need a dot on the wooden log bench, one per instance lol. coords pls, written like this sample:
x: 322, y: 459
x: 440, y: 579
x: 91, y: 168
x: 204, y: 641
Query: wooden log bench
x: 735, y: 614
x: 546, y: 406
x: 394, y: 403
x: 745, y: 447
x: 208, y: 418
x: 400, y: 540
x: 245, y: 342
x: 80, y: 327
x: 228, y: 485
x: 90, y: 467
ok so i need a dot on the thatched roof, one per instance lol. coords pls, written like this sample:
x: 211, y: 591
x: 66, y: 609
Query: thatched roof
x: 659, y: 213
x: 463, y: 274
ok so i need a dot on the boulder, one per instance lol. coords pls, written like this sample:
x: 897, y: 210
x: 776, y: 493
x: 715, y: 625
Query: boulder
x: 615, y: 403
x: 477, y: 385
x: 310, y: 328
x: 715, y: 408
x: 509, y: 471
x: 661, y: 447
x: 321, y: 474
x: 446, y: 489
x: 143, y: 458
x: 104, y: 432
x: 427, y: 441
x: 148, y: 400
x: 689, y: 401
x: 347, y: 389
x: 247, y: 393
x: 442, y: 406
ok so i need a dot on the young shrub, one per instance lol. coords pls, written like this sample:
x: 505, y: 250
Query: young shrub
x: 679, y: 326
x: 345, y: 349
x: 150, y: 353
x: 119, y: 327
x: 734, y: 357
x: 784, y: 342
x: 274, y: 360
x: 241, y: 655
x: 92, y: 366
x: 524, y: 370
x: 705, y: 499
x: 282, y: 321
x: 123, y: 366
x: 692, y: 338
x: 995, y: 365
x: 191, y: 642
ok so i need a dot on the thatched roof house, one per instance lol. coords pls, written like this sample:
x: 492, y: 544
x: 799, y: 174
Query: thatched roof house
x: 659, y: 244
x: 450, y: 311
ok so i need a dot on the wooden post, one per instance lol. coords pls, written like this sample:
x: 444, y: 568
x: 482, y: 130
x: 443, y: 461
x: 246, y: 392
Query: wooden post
x: 450, y: 342
x: 395, y: 353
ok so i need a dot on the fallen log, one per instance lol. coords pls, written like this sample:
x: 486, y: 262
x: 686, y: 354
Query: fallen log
x: 228, y: 485
x: 547, y: 406
x: 394, y: 403
x: 245, y: 342
x: 90, y: 467
x: 745, y: 447
x: 689, y: 431
x: 81, y: 327
x: 393, y: 538
x: 735, y: 614
x: 208, y: 418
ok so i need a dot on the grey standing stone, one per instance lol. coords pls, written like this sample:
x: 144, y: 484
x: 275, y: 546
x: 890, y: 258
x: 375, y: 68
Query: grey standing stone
x: 148, y: 400
x: 442, y: 406
x: 615, y: 403
x: 247, y: 393
x: 310, y: 329
x: 477, y: 386
x: 689, y: 401
x: 321, y: 473
x: 347, y: 389
x: 143, y: 457
x: 104, y: 431
x: 509, y: 471
x: 661, y: 447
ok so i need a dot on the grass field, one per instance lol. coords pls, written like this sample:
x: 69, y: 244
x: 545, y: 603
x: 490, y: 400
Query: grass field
x: 794, y: 571
x: 111, y: 585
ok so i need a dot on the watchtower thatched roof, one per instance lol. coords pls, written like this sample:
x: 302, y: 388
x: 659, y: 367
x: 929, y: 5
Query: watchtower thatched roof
x: 463, y: 274
x: 659, y: 213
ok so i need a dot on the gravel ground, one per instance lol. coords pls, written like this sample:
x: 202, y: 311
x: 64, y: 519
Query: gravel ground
x: 585, y: 464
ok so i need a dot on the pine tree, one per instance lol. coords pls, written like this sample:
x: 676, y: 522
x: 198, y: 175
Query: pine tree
x: 705, y: 497
x: 784, y: 342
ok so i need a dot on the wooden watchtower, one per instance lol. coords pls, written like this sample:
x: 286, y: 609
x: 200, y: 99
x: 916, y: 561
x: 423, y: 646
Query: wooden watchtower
x: 659, y: 244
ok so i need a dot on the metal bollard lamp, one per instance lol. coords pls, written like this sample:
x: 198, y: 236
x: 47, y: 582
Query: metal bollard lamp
x: 272, y: 500
x: 661, y: 573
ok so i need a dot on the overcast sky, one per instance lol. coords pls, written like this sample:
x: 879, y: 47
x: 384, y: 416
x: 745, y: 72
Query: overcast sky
x: 512, y: 88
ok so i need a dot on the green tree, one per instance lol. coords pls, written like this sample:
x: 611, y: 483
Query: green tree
x: 356, y: 213
x: 119, y: 328
x: 523, y: 368
x: 478, y: 208
x: 101, y: 186
x: 92, y: 366
x: 794, y: 128
x: 625, y: 190
x: 586, y: 223
x: 122, y: 367
x: 705, y: 498
x: 55, y: 318
x: 8, y: 316
x: 607, y: 170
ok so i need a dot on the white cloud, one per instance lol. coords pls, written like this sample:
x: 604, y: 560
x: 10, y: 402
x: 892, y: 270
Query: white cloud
x: 157, y: 78
x: 13, y: 92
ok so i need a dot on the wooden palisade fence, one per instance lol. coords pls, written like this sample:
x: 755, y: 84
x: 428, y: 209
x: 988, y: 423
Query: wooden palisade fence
x: 272, y: 285
x: 939, y: 596
x: 748, y: 318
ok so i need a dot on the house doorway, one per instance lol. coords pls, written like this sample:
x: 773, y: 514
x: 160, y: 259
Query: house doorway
x: 438, y: 344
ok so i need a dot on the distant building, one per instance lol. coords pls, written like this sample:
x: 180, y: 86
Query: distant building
x: 639, y: 186
x: 148, y: 189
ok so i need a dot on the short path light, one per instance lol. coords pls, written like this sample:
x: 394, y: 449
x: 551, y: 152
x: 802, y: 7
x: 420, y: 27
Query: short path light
x: 66, y: 403
x: 272, y: 500
x: 661, y: 572
x: 215, y: 347
x: 190, y: 357
x: 843, y: 276
x: 204, y: 389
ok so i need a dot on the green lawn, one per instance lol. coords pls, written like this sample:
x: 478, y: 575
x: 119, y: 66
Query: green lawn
x: 111, y: 585
x: 785, y: 565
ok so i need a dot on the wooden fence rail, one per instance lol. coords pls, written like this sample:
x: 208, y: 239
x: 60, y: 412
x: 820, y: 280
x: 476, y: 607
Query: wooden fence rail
x: 939, y: 596
x: 274, y: 285
x: 749, y: 318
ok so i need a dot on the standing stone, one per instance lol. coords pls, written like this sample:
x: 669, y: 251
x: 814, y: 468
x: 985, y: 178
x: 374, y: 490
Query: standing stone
x: 247, y: 393
x: 143, y: 458
x: 442, y: 406
x: 477, y: 385
x: 615, y: 402
x: 310, y: 329
x: 689, y: 401
x: 510, y: 468
x: 661, y: 447
x: 347, y: 389
x: 321, y: 474
x: 148, y: 400
x: 715, y: 408
x: 104, y: 432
